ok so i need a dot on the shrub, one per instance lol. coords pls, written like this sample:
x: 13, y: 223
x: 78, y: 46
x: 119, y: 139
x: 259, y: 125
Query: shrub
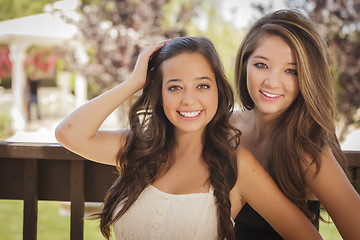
x: 5, y: 125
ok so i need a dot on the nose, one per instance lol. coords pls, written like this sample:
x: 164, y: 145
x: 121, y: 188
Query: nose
x: 273, y: 78
x: 188, y: 97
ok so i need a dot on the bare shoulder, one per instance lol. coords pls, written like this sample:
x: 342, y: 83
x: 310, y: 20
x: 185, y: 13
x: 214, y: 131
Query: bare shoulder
x: 246, y: 165
x: 250, y: 171
x: 238, y: 118
x: 245, y: 159
x: 327, y: 157
x: 242, y: 120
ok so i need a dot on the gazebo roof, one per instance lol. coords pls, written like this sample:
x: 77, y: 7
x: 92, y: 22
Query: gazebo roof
x: 41, y: 28
x: 20, y: 33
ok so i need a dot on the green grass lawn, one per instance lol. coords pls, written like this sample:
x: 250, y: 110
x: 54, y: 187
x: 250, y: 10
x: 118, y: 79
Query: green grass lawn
x: 52, y: 225
x: 328, y: 230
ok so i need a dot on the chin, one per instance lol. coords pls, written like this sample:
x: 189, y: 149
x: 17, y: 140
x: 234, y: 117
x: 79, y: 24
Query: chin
x: 266, y: 110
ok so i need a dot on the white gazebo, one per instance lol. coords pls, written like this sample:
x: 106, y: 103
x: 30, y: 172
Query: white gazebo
x: 42, y: 29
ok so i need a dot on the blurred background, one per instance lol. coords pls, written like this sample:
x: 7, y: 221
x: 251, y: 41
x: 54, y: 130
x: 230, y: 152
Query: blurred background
x: 56, y: 55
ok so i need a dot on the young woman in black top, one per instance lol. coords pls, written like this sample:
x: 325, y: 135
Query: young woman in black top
x: 285, y: 86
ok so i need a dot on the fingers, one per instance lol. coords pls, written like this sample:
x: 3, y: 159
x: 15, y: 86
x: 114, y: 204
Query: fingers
x: 149, y: 49
x: 144, y: 57
x: 155, y: 44
x: 165, y: 41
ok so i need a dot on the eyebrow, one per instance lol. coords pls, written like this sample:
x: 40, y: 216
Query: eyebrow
x: 259, y: 56
x: 265, y: 58
x: 179, y: 80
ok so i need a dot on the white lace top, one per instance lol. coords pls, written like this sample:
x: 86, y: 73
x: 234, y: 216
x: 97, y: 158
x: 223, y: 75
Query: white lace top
x: 159, y: 215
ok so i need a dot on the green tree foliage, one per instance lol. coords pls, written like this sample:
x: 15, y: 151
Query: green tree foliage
x: 114, y: 32
x: 225, y: 36
x: 5, y: 124
x: 19, y: 8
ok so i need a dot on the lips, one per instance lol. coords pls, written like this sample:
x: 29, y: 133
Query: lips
x: 269, y: 96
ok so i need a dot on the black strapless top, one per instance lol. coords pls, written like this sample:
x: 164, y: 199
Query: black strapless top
x: 249, y: 225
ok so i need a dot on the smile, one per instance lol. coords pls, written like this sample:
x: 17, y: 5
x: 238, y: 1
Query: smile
x: 190, y: 114
x: 269, y: 95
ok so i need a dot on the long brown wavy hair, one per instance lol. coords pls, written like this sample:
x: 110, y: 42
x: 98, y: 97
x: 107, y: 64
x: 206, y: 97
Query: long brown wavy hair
x: 309, y: 123
x: 151, y: 138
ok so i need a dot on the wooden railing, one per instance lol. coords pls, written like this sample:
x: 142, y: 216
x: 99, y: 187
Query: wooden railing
x: 353, y: 158
x: 36, y: 171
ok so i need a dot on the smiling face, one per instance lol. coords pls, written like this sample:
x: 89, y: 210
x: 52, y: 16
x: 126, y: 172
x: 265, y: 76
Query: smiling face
x: 272, y: 80
x: 189, y: 92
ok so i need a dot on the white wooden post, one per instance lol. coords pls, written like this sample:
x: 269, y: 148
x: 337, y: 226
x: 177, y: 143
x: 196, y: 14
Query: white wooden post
x: 80, y: 80
x: 18, y: 81
x: 80, y: 89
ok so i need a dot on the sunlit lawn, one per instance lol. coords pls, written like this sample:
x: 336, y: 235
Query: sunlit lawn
x: 52, y: 225
x: 328, y: 230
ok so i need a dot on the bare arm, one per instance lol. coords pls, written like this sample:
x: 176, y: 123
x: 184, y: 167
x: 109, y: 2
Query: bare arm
x: 335, y: 192
x: 80, y: 133
x: 256, y: 187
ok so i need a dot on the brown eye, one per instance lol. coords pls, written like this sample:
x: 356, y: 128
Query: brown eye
x: 260, y: 65
x: 174, y: 88
x: 203, y: 86
x: 292, y: 71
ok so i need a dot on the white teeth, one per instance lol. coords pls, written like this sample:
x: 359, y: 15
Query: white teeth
x: 270, y: 95
x: 190, y: 114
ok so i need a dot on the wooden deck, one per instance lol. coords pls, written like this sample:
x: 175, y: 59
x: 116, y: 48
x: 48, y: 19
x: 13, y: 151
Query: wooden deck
x: 37, y: 171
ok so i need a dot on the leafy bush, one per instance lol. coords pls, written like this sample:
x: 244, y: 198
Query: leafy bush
x: 5, y: 125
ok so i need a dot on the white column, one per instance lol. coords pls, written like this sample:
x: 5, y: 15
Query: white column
x: 80, y: 89
x: 17, y: 57
x: 80, y: 80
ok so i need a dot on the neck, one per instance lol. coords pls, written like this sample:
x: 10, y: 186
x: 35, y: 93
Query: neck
x: 188, y: 146
x: 263, y: 124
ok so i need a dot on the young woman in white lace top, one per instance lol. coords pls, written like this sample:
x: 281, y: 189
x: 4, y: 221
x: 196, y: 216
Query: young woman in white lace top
x: 179, y: 174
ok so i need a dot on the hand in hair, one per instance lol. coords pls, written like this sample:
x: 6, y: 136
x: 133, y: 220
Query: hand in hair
x: 83, y: 137
x: 141, y: 66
